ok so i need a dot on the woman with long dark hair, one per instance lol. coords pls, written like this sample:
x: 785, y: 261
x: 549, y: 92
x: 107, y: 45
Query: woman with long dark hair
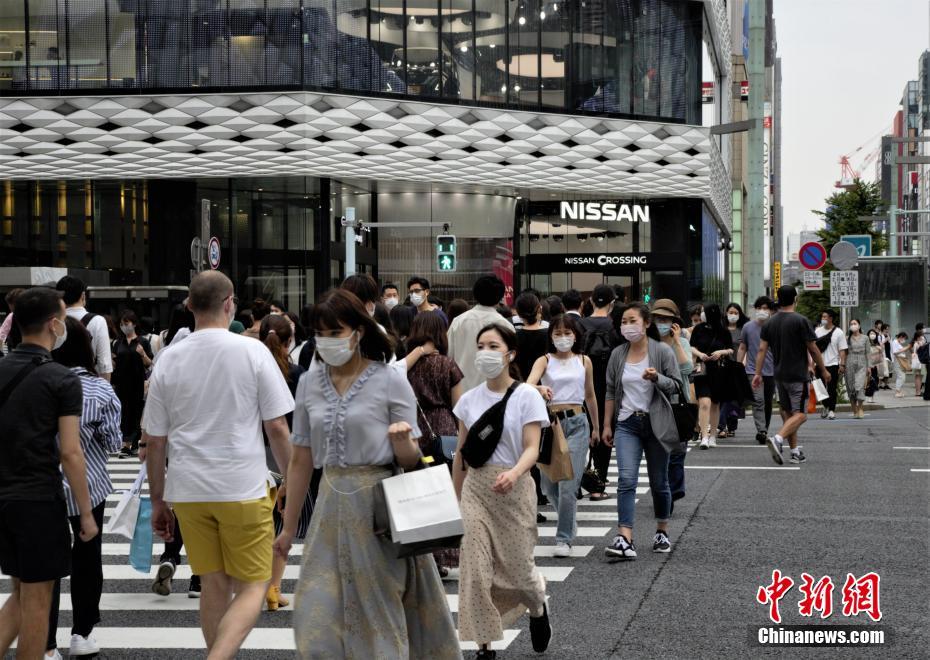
x: 730, y: 411
x: 132, y: 358
x: 642, y: 376
x: 355, y: 417
x: 499, y: 580
x: 857, y: 368
x: 275, y: 333
x: 565, y: 378
x: 710, y: 342
x: 100, y: 435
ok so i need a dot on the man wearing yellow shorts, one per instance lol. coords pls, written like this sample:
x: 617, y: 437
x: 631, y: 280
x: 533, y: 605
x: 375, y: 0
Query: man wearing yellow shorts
x: 208, y: 399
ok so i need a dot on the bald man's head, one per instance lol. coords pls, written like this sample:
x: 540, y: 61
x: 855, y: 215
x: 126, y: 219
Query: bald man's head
x: 209, y: 290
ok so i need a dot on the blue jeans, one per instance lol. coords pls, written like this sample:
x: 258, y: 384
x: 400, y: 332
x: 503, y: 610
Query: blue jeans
x: 562, y: 494
x: 633, y: 437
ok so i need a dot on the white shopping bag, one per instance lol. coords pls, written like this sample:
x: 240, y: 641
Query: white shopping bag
x: 123, y: 520
x: 820, y: 390
x: 422, y: 506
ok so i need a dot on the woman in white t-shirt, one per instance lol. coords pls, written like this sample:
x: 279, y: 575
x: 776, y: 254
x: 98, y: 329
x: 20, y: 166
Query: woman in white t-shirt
x: 565, y: 378
x: 499, y: 581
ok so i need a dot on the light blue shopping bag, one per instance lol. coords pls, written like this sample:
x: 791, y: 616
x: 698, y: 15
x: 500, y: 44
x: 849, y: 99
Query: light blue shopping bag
x: 140, y: 549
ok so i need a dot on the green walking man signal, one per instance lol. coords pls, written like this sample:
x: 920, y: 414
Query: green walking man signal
x: 445, y: 253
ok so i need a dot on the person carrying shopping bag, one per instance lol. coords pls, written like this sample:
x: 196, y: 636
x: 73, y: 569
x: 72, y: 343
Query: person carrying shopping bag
x: 565, y: 379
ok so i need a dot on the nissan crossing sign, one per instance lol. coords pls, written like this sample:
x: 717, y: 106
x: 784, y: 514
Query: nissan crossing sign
x: 601, y: 262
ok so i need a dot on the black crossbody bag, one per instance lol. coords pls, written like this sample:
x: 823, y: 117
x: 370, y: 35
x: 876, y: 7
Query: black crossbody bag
x: 485, y: 434
x: 20, y: 376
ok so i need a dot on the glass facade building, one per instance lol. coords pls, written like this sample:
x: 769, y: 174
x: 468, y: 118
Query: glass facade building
x: 623, y: 57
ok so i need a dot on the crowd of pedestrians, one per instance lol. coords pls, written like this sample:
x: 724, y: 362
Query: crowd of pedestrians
x: 261, y: 426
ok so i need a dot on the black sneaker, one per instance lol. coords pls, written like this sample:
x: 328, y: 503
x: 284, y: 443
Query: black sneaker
x: 761, y: 438
x: 161, y: 585
x: 193, y: 589
x: 486, y: 654
x: 798, y: 456
x: 621, y: 549
x: 661, y: 543
x: 125, y: 452
x: 540, y: 630
x: 540, y: 518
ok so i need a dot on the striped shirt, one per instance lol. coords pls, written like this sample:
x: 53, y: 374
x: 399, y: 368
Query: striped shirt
x: 100, y: 435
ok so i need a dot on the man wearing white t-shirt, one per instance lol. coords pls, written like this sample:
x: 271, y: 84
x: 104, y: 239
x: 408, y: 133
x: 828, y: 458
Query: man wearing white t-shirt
x: 74, y: 293
x: 208, y: 399
x: 463, y: 333
x: 834, y: 357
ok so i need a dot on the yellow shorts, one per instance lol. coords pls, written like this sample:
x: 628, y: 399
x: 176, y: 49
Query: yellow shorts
x: 233, y: 537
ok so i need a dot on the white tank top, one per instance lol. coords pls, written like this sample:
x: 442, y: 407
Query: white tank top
x: 566, y: 378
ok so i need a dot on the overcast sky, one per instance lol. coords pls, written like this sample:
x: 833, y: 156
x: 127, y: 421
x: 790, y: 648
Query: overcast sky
x: 845, y: 66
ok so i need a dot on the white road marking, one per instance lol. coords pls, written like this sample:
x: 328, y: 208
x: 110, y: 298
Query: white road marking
x: 737, y: 467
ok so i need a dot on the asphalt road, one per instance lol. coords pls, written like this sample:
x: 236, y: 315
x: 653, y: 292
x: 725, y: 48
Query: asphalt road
x: 853, y: 507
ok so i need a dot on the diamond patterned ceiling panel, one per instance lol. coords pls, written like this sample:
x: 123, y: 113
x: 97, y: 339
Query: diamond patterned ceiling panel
x: 332, y: 135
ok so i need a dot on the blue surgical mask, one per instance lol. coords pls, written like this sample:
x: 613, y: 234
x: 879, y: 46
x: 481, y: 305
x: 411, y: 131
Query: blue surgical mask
x: 664, y: 328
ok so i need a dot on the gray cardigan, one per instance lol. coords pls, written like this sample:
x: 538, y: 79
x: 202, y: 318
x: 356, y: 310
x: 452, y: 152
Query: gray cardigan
x: 662, y: 359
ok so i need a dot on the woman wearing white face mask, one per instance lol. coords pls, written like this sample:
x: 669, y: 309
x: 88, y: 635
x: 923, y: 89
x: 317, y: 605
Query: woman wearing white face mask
x: 857, y: 368
x: 355, y: 416
x: 642, y: 376
x: 565, y: 378
x: 132, y: 357
x: 499, y: 581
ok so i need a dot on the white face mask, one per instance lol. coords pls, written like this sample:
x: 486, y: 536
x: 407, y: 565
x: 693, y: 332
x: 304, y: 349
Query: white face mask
x: 732, y: 318
x: 489, y: 364
x: 126, y: 329
x: 563, y: 343
x: 335, y: 351
x: 703, y: 318
x: 417, y: 299
x: 62, y: 338
x: 823, y: 322
x: 762, y: 314
x: 390, y: 303
x: 854, y: 327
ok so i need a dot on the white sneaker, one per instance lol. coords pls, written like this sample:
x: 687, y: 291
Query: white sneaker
x: 776, y: 447
x: 83, y: 645
x: 562, y: 549
x: 831, y: 415
x: 55, y: 655
x: 713, y: 442
x: 705, y: 443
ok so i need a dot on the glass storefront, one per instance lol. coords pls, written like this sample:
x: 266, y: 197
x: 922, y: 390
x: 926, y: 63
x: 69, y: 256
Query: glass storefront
x: 635, y: 58
x: 667, y: 257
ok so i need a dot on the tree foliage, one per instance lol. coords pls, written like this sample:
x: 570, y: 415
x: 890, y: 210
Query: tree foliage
x: 851, y: 211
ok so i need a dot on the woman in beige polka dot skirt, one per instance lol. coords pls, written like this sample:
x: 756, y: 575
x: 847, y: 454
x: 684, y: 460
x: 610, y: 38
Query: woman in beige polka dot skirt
x: 499, y: 580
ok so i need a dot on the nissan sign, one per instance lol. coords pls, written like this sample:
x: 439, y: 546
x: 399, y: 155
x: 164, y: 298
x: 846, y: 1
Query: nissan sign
x: 606, y: 211
x: 607, y: 260
x: 603, y: 262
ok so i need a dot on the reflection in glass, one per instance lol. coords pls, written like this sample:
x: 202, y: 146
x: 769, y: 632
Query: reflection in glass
x: 639, y: 57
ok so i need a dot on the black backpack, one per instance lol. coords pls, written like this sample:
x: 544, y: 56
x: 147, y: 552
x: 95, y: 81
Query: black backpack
x: 87, y: 318
x: 485, y: 434
x: 599, y: 343
x: 923, y: 354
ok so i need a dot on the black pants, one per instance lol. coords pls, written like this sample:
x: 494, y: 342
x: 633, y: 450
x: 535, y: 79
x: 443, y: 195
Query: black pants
x: 86, y: 581
x: 830, y: 404
x: 172, y: 550
x: 601, y: 452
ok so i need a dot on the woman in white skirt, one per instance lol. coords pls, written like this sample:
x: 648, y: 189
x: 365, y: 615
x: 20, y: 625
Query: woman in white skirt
x: 355, y: 417
x: 567, y: 383
x: 499, y: 580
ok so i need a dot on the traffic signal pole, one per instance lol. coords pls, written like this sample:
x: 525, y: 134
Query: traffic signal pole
x: 754, y: 224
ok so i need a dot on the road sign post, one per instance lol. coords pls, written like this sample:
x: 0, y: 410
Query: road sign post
x: 812, y: 256
x: 813, y: 280
x: 776, y: 276
x: 844, y: 255
x: 844, y: 288
x: 862, y: 243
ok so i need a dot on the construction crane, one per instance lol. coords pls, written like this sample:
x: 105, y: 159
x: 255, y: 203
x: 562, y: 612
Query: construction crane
x: 848, y: 175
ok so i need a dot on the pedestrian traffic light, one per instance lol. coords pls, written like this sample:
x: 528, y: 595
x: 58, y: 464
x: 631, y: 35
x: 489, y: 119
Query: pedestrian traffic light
x: 445, y: 253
